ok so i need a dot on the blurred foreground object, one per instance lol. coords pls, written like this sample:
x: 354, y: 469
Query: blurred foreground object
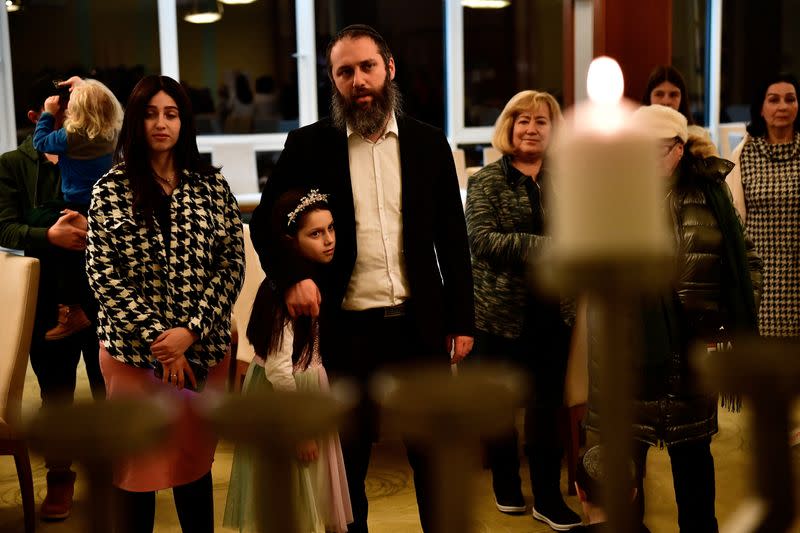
x: 448, y: 416
x: 610, y: 241
x: 766, y: 372
x: 270, y: 425
x: 95, y: 435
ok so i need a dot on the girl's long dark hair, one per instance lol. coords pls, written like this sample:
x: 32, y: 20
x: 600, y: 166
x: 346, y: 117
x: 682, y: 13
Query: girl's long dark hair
x: 270, y: 314
x: 133, y: 151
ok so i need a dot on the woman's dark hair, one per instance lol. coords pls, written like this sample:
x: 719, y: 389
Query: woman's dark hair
x: 270, y: 315
x: 669, y: 73
x: 133, y: 151
x: 758, y: 126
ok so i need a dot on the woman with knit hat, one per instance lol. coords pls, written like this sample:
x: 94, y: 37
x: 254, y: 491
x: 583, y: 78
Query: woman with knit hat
x: 713, y: 298
x: 666, y: 86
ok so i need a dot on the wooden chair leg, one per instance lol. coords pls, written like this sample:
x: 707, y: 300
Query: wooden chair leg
x: 575, y: 416
x: 23, y: 463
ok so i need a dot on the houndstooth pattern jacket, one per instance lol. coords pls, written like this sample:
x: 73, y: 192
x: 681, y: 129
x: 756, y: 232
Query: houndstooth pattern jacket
x: 142, y: 291
x: 771, y: 184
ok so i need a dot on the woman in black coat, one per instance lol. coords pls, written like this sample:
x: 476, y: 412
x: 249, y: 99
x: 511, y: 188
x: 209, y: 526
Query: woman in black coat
x: 713, y: 299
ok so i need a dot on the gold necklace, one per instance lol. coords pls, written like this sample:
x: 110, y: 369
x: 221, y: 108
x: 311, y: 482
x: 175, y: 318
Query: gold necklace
x: 172, y: 182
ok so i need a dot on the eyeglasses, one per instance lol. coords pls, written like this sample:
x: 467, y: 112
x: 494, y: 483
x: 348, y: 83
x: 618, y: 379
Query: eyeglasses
x: 665, y: 148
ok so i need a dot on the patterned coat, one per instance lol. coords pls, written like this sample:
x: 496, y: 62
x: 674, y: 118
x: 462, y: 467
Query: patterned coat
x: 767, y: 189
x: 498, y: 212
x: 670, y: 406
x: 142, y: 291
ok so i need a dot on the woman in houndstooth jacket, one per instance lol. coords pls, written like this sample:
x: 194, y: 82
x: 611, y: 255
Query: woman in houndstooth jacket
x: 165, y: 259
x: 766, y: 189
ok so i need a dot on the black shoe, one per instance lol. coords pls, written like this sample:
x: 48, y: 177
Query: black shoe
x: 510, y: 504
x: 557, y: 515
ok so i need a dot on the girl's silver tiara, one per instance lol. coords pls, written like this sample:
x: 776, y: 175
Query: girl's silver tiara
x: 311, y: 198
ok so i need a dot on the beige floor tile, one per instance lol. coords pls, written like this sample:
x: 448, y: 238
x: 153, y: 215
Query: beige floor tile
x: 390, y: 487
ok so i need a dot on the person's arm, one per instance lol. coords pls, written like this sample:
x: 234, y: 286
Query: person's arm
x: 219, y: 292
x: 71, y: 82
x: 278, y: 366
x: 452, y: 252
x: 105, y: 262
x: 222, y: 288
x: 291, y: 276
x: 283, y: 271
x: 755, y: 265
x: 14, y: 232
x: 46, y: 140
x: 734, y: 180
x: 487, y: 240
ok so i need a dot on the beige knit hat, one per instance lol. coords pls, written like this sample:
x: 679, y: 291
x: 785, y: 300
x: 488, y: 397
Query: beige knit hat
x: 662, y: 122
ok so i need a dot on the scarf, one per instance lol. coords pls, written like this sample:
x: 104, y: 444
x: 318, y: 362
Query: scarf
x: 736, y: 287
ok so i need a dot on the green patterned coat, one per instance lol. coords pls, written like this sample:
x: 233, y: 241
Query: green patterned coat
x: 500, y: 230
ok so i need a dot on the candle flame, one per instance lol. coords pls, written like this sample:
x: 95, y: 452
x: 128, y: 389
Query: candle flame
x: 604, y: 82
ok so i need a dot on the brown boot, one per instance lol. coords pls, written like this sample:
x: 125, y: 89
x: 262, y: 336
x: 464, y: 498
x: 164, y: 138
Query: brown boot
x: 58, y: 502
x: 71, y: 319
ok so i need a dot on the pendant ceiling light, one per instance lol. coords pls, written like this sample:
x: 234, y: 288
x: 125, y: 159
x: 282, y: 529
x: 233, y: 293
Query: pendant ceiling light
x: 13, y: 5
x: 204, y: 12
x: 237, y: 2
x: 485, y: 4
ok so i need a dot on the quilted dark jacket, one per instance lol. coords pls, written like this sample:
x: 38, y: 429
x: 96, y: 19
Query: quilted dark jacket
x: 670, y: 407
x: 500, y: 230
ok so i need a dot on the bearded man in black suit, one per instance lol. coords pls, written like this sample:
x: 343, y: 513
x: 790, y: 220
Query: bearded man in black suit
x: 399, y: 290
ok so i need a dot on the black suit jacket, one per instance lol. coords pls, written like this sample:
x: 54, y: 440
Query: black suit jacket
x: 434, y: 233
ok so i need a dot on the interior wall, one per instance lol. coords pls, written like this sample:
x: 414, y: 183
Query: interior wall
x: 638, y: 34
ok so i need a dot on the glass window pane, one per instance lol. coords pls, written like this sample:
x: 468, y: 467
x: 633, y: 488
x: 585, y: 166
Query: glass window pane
x: 758, y: 39
x: 509, y: 50
x: 689, y: 52
x: 414, y: 30
x: 85, y: 38
x: 240, y: 70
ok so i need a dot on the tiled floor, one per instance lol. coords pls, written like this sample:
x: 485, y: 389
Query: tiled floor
x: 392, y: 504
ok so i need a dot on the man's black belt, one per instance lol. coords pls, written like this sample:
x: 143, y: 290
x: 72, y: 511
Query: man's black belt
x: 394, y: 311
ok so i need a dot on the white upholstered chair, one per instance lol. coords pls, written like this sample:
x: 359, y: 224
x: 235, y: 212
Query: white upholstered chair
x: 18, y: 291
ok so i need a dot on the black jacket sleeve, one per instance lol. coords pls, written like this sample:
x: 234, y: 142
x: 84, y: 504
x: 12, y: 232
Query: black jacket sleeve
x: 280, y: 268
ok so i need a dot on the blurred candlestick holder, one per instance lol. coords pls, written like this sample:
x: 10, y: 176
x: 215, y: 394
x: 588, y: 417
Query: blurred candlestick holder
x: 610, y: 242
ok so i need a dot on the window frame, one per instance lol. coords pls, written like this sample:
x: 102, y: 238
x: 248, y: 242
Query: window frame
x: 713, y: 66
x: 8, y: 122
x: 306, y: 76
x: 453, y: 30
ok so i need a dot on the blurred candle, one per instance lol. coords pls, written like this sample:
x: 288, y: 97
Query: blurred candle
x: 608, y: 198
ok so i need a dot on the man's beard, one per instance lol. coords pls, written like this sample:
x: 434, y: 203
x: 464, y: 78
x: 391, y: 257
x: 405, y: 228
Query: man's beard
x: 369, y: 120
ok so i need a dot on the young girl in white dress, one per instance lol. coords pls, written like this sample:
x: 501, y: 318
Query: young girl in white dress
x: 288, y: 358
